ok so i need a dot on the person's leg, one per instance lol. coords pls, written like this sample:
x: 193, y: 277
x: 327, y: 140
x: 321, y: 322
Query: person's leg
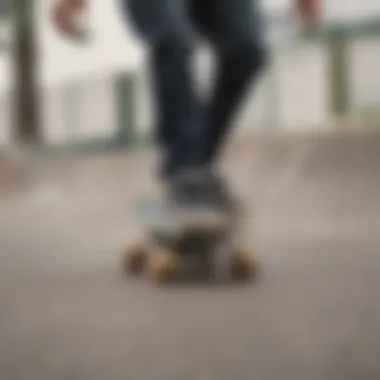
x: 235, y: 28
x: 166, y: 28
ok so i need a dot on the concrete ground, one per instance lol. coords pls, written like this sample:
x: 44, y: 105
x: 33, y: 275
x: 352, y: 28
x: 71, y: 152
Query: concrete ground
x: 68, y: 312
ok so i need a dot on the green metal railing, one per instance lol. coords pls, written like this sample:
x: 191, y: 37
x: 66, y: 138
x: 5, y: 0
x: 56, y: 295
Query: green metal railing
x: 336, y: 41
x: 339, y: 38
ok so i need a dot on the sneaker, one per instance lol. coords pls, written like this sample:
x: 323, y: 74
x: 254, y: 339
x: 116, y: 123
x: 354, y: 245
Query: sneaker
x: 200, y: 199
x: 220, y: 194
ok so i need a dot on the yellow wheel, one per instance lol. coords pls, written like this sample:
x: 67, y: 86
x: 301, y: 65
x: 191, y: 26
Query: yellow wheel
x: 244, y: 265
x: 163, y: 265
x: 134, y: 259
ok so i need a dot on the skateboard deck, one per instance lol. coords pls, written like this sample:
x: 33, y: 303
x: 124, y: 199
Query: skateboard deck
x: 176, y: 247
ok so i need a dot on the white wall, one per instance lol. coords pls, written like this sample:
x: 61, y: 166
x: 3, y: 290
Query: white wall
x: 112, y: 47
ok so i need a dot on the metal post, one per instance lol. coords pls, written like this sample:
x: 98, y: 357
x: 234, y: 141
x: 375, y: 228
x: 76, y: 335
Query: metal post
x: 339, y: 76
x: 26, y: 103
x: 125, y: 89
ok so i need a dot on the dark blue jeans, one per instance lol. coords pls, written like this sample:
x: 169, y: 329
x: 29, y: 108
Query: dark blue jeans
x: 191, y: 132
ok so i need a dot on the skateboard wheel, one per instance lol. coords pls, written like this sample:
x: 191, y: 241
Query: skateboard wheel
x: 164, y: 265
x: 243, y: 265
x: 135, y: 258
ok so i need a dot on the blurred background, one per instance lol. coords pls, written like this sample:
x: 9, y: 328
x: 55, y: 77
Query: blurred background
x: 336, y: 70
x: 76, y: 121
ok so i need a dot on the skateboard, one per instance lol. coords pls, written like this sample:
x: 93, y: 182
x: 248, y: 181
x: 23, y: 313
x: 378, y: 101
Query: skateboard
x: 175, y: 249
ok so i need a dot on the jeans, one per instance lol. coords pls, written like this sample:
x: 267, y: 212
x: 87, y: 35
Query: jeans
x: 191, y: 132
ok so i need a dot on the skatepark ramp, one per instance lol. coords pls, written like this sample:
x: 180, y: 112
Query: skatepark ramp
x: 68, y: 311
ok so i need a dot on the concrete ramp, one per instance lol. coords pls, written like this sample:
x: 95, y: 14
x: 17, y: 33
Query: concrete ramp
x: 313, y: 204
